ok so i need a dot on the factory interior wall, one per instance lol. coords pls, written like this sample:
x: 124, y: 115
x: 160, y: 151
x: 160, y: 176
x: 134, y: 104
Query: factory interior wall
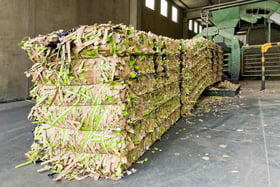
x: 191, y: 34
x: 152, y: 20
x: 275, y: 33
x: 259, y: 35
x: 20, y: 18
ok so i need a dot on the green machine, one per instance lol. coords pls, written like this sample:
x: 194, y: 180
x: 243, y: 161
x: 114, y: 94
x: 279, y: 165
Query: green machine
x: 225, y: 19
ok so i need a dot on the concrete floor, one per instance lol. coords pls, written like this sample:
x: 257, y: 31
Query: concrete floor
x: 239, y: 146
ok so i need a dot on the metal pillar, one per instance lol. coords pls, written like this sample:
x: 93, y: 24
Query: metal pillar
x: 264, y: 49
x: 268, y: 31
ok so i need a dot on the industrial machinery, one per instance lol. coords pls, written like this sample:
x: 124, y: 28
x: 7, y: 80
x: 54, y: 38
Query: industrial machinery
x: 225, y: 19
x: 250, y: 62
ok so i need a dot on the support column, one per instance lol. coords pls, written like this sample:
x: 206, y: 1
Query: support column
x: 268, y: 31
x: 135, y: 13
x: 185, y: 27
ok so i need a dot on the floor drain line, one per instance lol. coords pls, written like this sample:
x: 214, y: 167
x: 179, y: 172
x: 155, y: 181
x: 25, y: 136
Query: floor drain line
x: 264, y: 141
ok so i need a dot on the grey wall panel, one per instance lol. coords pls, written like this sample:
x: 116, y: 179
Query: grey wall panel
x: 153, y: 21
x: 100, y: 11
x: 13, y: 26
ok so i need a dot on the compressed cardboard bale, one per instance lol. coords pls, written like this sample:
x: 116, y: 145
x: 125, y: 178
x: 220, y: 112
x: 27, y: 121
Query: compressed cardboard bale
x: 117, y: 89
x: 114, y: 114
x: 200, y: 68
x: 98, y: 117
x: 104, y: 70
x: 98, y: 94
x: 128, y: 147
x: 105, y: 93
x: 167, y: 63
x: 96, y: 70
x: 151, y: 82
x: 113, y: 93
x: 79, y: 165
x: 90, y: 41
x: 106, y: 138
x: 167, y: 46
x: 196, y: 73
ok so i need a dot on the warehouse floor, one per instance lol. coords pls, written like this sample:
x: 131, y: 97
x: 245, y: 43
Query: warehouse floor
x: 237, y: 146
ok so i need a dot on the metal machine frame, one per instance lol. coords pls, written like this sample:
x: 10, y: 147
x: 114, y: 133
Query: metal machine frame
x: 225, y: 19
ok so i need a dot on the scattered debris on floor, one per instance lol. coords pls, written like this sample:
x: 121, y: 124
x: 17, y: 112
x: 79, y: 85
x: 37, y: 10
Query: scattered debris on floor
x: 226, y: 85
x: 212, y: 105
x: 223, y: 146
x: 226, y: 156
x: 235, y: 171
x: 131, y: 171
x: 142, y: 161
x: 206, y: 158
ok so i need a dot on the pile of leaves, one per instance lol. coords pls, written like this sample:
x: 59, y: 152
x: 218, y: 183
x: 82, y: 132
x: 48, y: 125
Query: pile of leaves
x: 105, y: 93
x: 212, y: 104
x: 225, y: 85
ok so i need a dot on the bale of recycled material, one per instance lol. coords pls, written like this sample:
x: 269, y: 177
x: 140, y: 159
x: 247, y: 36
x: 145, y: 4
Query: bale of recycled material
x: 105, y: 93
x: 201, y: 67
x: 118, y: 124
x: 91, y: 41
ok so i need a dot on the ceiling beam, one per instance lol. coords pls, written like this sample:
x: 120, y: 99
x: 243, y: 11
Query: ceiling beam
x: 193, y: 13
x: 229, y: 4
x: 187, y: 7
x: 181, y: 4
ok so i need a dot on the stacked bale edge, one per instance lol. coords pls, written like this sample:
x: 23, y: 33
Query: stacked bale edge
x: 105, y: 93
x: 201, y: 66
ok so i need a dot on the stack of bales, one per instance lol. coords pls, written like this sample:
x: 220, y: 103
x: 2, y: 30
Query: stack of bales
x: 104, y: 94
x: 201, y: 66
